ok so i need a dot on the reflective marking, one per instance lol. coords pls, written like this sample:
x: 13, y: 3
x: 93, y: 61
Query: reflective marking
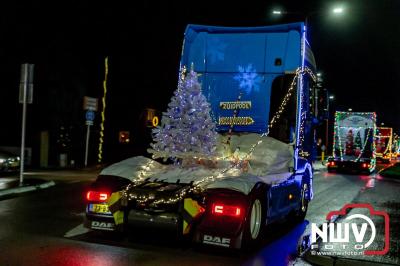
x: 78, y: 230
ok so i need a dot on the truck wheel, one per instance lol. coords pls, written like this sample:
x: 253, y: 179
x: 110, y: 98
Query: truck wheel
x: 255, y: 223
x: 301, y: 213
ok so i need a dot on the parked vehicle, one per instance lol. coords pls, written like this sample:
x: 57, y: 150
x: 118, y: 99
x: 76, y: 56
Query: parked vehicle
x: 9, y: 162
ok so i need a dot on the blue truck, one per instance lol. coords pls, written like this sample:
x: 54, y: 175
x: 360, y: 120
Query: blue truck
x: 258, y: 82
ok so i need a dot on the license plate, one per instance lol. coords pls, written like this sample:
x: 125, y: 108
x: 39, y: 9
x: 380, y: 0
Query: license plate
x: 99, y: 208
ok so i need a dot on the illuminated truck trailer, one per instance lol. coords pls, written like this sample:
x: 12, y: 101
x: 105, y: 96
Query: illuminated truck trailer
x: 383, y: 144
x: 354, y: 142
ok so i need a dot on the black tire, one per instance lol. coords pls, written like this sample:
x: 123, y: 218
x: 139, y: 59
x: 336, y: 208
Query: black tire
x: 255, y: 223
x: 301, y: 213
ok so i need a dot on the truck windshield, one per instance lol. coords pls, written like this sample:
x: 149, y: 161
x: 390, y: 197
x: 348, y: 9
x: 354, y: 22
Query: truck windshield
x: 284, y: 128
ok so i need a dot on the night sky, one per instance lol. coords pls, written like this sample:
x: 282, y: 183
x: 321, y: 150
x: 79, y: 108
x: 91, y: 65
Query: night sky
x: 67, y: 41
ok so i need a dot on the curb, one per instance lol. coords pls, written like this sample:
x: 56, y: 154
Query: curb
x: 19, y: 190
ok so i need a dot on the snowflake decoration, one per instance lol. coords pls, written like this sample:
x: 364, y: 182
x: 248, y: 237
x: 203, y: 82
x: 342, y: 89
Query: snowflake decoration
x: 248, y: 79
x: 216, y: 50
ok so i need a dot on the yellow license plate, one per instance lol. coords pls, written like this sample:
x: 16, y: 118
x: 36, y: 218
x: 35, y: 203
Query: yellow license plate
x: 99, y: 208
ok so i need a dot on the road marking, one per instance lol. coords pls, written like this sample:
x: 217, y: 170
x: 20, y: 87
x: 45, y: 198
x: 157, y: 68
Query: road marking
x: 79, y: 214
x: 76, y: 181
x: 76, y: 231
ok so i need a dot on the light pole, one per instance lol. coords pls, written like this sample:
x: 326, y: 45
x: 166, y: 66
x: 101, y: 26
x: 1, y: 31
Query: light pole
x: 328, y: 99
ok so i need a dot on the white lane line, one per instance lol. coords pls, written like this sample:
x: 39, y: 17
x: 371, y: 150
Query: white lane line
x: 76, y: 231
x: 79, y: 214
x: 75, y: 181
x: 47, y: 184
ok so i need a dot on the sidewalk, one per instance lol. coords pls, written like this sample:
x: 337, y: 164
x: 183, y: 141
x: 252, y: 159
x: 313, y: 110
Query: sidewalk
x: 35, y: 179
x: 318, y: 166
x: 9, y: 185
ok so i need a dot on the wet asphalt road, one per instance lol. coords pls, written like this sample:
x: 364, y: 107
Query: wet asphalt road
x: 45, y: 227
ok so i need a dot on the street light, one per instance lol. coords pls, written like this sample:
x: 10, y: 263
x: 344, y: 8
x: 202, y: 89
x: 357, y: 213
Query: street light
x: 337, y: 10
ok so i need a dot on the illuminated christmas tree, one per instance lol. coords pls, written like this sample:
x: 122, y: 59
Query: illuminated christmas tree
x: 349, y: 143
x: 357, y: 144
x: 187, y: 129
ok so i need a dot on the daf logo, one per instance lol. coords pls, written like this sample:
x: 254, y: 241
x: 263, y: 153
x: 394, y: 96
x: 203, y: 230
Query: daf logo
x: 102, y: 225
x: 216, y: 240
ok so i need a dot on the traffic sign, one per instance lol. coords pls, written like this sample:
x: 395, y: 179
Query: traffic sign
x: 89, y: 115
x: 155, y: 121
x: 90, y: 103
x: 26, y: 84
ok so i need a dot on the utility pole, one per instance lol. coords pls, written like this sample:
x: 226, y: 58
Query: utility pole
x: 327, y: 121
x: 25, y: 97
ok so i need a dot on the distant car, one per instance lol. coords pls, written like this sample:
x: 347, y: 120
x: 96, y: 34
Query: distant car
x: 9, y: 162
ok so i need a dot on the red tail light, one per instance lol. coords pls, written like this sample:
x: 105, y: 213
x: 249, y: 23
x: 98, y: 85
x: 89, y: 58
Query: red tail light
x: 365, y: 165
x: 97, y: 196
x: 331, y: 163
x: 220, y: 209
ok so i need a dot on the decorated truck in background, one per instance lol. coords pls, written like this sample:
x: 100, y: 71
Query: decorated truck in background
x: 256, y: 81
x: 395, y: 146
x: 383, y: 144
x: 354, y: 142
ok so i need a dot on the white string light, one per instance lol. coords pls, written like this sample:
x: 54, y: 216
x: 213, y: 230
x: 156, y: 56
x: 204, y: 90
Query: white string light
x: 197, y: 186
x: 103, y: 117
